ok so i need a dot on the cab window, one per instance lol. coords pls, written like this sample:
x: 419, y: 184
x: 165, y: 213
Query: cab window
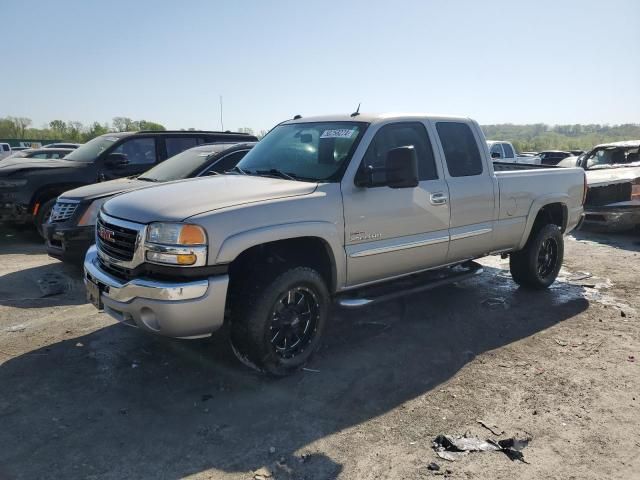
x: 401, y: 135
x: 460, y: 149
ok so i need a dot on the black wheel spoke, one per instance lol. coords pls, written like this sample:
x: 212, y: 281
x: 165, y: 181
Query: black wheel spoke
x: 293, y: 320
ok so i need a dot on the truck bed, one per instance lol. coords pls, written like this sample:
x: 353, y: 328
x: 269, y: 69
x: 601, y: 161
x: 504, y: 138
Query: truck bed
x: 503, y: 166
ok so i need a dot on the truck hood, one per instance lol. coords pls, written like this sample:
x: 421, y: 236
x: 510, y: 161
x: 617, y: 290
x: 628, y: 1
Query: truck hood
x: 12, y: 165
x: 176, y: 201
x: 105, y: 189
x: 609, y: 176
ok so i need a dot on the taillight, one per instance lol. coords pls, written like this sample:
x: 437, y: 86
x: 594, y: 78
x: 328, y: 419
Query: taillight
x: 586, y: 188
x: 635, y: 190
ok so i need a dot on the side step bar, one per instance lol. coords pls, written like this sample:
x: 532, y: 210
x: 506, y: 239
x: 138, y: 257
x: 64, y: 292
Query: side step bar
x: 408, y: 285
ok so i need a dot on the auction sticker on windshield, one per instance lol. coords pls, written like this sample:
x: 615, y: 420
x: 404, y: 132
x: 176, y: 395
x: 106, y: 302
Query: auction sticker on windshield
x: 339, y: 133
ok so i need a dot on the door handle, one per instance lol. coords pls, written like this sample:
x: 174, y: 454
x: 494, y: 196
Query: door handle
x: 438, y: 198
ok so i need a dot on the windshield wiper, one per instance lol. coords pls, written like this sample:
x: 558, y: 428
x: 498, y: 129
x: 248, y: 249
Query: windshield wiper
x: 147, y: 179
x: 277, y: 173
x: 237, y: 169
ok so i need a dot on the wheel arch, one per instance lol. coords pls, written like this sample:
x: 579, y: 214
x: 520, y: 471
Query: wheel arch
x: 543, y: 211
x: 313, y: 244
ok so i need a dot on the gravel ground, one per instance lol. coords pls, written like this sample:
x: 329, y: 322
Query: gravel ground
x: 84, y: 398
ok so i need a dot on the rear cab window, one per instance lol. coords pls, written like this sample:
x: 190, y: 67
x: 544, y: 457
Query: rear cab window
x: 461, y: 152
x: 508, y: 151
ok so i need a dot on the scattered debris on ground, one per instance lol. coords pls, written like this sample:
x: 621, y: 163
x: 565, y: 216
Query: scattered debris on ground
x: 495, y: 303
x: 491, y: 427
x: 452, y: 448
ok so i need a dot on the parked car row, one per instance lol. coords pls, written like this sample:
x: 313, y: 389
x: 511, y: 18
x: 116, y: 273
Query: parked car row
x: 7, y: 150
x: 71, y: 228
x: 29, y: 187
x: 613, y: 177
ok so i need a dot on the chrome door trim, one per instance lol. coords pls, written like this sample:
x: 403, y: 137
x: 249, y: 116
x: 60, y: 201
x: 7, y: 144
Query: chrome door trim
x: 472, y: 233
x: 394, y: 248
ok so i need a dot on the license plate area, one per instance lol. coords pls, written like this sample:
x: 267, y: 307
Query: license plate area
x: 94, y: 293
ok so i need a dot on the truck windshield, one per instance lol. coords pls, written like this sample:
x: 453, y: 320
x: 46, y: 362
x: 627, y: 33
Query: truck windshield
x: 90, y: 150
x: 317, y: 151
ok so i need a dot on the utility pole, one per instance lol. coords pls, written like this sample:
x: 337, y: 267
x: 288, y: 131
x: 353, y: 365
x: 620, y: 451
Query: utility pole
x: 221, y: 120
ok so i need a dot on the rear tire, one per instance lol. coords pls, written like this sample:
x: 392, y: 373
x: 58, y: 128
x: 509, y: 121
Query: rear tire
x: 42, y: 217
x: 537, y: 265
x: 277, y: 323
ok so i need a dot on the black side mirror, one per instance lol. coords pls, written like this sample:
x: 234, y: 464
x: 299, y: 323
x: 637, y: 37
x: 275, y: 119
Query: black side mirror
x: 116, y: 160
x: 402, y: 167
x: 495, y: 155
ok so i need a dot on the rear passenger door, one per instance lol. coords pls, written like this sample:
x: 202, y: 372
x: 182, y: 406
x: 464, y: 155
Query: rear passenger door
x: 388, y: 231
x: 471, y: 191
x: 178, y: 144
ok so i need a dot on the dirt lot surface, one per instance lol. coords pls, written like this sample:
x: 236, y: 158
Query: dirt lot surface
x: 82, y: 397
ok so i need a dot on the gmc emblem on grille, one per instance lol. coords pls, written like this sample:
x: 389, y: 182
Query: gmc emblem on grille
x: 106, y: 234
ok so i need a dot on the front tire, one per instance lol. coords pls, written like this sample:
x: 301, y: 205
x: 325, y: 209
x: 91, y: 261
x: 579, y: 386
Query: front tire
x: 42, y: 217
x: 277, y: 323
x: 537, y: 265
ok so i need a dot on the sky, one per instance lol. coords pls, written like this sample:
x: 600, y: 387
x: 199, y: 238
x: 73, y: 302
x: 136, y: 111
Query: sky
x: 554, y: 62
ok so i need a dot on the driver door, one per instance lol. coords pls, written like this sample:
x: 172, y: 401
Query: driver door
x: 391, y: 232
x: 141, y: 153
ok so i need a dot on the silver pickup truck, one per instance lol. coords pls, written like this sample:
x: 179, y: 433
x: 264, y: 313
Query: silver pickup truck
x: 353, y: 209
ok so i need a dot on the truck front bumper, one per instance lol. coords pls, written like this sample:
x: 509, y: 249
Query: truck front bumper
x: 188, y: 309
x: 623, y: 217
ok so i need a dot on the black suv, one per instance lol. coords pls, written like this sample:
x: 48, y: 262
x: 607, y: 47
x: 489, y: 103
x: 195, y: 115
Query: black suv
x: 29, y: 187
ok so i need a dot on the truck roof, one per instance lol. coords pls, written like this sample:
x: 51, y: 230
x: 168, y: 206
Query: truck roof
x: 374, y: 118
x: 624, y: 143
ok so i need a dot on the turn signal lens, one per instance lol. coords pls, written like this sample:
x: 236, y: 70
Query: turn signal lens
x: 192, y: 235
x: 171, y: 258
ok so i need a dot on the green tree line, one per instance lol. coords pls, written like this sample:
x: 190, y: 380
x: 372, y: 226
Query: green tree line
x: 20, y: 128
x: 539, y: 136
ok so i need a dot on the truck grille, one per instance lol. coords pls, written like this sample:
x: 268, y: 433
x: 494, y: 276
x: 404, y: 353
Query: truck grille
x: 599, y: 196
x: 116, y: 241
x: 63, y: 210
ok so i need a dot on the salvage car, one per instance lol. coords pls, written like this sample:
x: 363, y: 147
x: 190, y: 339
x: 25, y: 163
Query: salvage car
x: 356, y: 209
x: 71, y: 227
x: 41, y: 153
x: 28, y: 189
x: 72, y: 146
x: 613, y: 177
x: 552, y: 157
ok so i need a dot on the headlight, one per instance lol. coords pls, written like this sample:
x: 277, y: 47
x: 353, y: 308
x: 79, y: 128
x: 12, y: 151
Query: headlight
x: 181, y: 244
x: 91, y: 214
x: 13, y: 183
